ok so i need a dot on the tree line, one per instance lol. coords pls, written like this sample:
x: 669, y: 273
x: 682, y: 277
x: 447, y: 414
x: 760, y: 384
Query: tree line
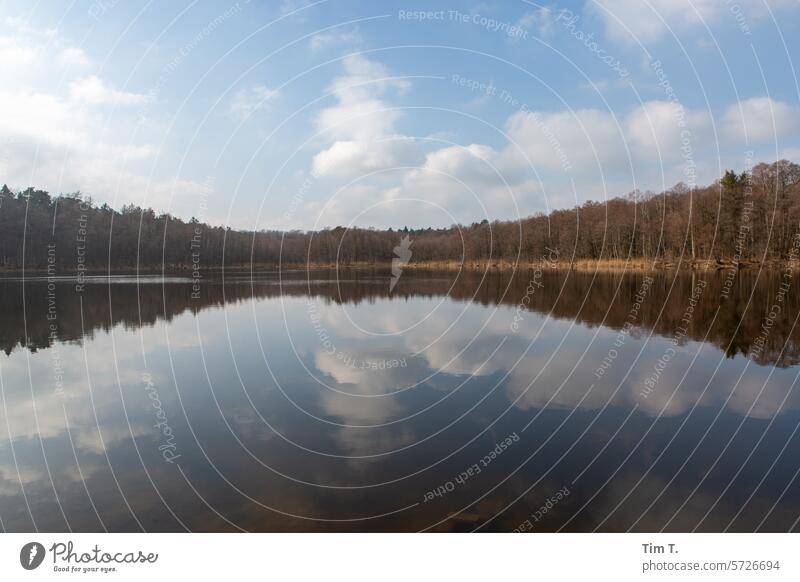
x: 745, y: 217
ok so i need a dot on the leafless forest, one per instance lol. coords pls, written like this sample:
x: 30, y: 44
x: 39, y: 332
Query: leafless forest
x: 747, y: 217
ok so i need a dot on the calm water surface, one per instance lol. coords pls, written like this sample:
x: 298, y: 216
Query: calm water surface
x: 325, y: 401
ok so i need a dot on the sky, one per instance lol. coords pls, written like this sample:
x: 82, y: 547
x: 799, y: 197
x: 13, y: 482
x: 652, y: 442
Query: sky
x: 293, y: 114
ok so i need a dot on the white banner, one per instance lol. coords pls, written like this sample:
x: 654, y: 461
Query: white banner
x: 356, y: 557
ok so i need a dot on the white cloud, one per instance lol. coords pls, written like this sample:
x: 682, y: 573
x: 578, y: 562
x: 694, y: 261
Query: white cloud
x: 14, y: 54
x: 327, y: 40
x: 363, y: 119
x: 94, y: 91
x: 359, y: 112
x: 542, y: 19
x: 22, y: 27
x: 353, y: 158
x: 451, y: 184
x: 657, y: 129
x: 42, y: 118
x: 24, y: 48
x: 73, y: 56
x: 634, y: 20
x: 568, y: 139
x: 247, y: 101
x: 469, y: 182
x: 761, y: 119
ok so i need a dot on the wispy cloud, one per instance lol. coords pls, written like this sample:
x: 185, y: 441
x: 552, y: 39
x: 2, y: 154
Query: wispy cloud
x: 95, y: 91
x: 327, y: 40
x: 247, y: 101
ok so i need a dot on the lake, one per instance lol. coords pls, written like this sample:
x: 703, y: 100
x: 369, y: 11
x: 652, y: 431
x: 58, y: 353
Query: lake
x: 440, y: 401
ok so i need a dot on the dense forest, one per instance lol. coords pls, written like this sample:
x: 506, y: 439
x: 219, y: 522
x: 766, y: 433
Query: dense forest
x: 745, y: 217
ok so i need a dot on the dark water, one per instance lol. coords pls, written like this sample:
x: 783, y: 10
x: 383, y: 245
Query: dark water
x: 497, y: 402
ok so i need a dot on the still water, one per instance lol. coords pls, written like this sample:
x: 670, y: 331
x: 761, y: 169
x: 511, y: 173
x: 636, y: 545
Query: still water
x: 339, y: 401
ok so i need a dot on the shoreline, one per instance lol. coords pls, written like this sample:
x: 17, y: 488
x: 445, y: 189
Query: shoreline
x: 582, y: 265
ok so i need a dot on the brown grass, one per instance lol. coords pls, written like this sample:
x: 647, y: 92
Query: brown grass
x: 584, y: 265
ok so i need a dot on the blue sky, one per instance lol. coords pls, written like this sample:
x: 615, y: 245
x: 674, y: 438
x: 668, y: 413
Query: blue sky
x: 293, y: 114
